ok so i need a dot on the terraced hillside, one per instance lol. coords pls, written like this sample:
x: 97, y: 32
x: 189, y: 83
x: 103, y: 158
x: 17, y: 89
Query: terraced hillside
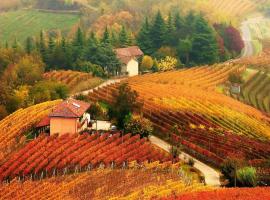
x: 13, y: 127
x: 144, y: 182
x: 75, y: 81
x: 73, y: 153
x: 24, y: 23
x: 256, y: 91
x: 212, y: 126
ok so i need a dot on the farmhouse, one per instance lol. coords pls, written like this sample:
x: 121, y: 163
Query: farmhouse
x: 68, y: 117
x: 129, y: 59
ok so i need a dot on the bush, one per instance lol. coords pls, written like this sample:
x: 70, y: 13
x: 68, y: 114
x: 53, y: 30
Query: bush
x: 168, y: 63
x: 191, y: 162
x: 235, y: 78
x: 138, y: 125
x: 247, y: 177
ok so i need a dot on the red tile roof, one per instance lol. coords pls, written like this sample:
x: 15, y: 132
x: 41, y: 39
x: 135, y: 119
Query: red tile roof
x: 44, y: 122
x: 126, y: 54
x: 70, y: 108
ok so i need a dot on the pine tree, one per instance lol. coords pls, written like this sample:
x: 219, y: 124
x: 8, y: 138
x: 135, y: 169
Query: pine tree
x: 42, y: 47
x: 79, y: 39
x: 144, y: 38
x: 170, y: 36
x: 123, y: 37
x: 114, y: 39
x: 158, y: 31
x: 106, y: 37
x: 179, y: 24
x: 51, y: 45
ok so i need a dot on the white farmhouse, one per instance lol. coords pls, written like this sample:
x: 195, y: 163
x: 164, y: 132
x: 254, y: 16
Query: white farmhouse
x: 129, y: 59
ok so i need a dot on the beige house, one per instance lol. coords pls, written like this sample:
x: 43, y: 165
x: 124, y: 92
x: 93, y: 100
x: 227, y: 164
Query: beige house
x: 68, y: 117
x: 129, y: 59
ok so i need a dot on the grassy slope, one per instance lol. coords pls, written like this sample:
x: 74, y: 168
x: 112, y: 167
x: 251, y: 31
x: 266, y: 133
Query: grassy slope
x: 23, y: 23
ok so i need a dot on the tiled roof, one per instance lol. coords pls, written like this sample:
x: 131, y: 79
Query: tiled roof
x: 70, y: 108
x: 126, y: 54
x: 44, y: 122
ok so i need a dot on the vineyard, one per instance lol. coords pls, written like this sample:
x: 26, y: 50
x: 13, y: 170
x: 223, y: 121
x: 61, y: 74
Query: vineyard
x: 46, y: 156
x: 256, y: 91
x: 226, y: 10
x: 13, y: 127
x: 211, y: 125
x: 76, y: 81
x: 25, y: 23
x: 150, y: 180
x: 226, y: 194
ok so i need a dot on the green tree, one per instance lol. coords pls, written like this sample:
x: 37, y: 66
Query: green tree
x: 184, y: 49
x: 126, y: 102
x: 158, y: 31
x: 204, y: 49
x: 106, y: 37
x: 144, y: 38
x: 170, y: 35
x: 42, y: 47
x: 123, y: 37
x: 29, y: 45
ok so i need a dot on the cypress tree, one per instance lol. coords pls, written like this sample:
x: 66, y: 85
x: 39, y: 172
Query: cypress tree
x: 144, y: 38
x: 42, y: 47
x: 15, y: 44
x: 79, y: 39
x: 158, y: 31
x: 6, y: 45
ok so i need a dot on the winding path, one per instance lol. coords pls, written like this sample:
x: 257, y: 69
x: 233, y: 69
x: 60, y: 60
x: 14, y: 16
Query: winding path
x: 212, y: 177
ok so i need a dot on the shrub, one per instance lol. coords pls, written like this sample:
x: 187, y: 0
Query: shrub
x: 247, y: 177
x: 235, y: 78
x: 191, y: 162
x: 168, y: 63
x: 139, y: 125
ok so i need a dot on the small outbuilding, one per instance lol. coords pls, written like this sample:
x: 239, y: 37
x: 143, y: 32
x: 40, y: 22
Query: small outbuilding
x: 129, y: 58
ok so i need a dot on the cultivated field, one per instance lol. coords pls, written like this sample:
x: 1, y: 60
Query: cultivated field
x: 23, y: 23
x: 76, y: 81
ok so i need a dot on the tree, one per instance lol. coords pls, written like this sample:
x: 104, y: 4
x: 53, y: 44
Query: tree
x: 184, y: 49
x: 42, y: 47
x: 170, y: 35
x: 144, y: 38
x: 123, y: 37
x: 106, y: 37
x: 147, y: 63
x: 29, y: 45
x: 204, y: 49
x: 158, y: 31
x: 138, y: 125
x: 233, y: 40
x: 126, y: 102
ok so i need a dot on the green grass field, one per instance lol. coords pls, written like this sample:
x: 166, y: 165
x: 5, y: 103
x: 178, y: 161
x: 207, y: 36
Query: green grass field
x: 23, y: 23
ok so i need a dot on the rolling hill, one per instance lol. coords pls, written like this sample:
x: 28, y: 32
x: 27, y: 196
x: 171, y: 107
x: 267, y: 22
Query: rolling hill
x: 27, y: 23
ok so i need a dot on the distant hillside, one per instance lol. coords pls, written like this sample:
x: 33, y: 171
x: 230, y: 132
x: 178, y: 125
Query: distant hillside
x: 23, y: 23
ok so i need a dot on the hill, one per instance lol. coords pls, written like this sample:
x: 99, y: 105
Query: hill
x: 14, y: 128
x: 28, y: 23
x: 211, y: 126
x: 76, y: 81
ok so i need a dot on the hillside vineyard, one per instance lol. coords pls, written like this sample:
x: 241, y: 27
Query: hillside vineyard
x: 211, y: 126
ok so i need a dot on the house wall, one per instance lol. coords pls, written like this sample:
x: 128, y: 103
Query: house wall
x: 63, y: 125
x: 132, y: 68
